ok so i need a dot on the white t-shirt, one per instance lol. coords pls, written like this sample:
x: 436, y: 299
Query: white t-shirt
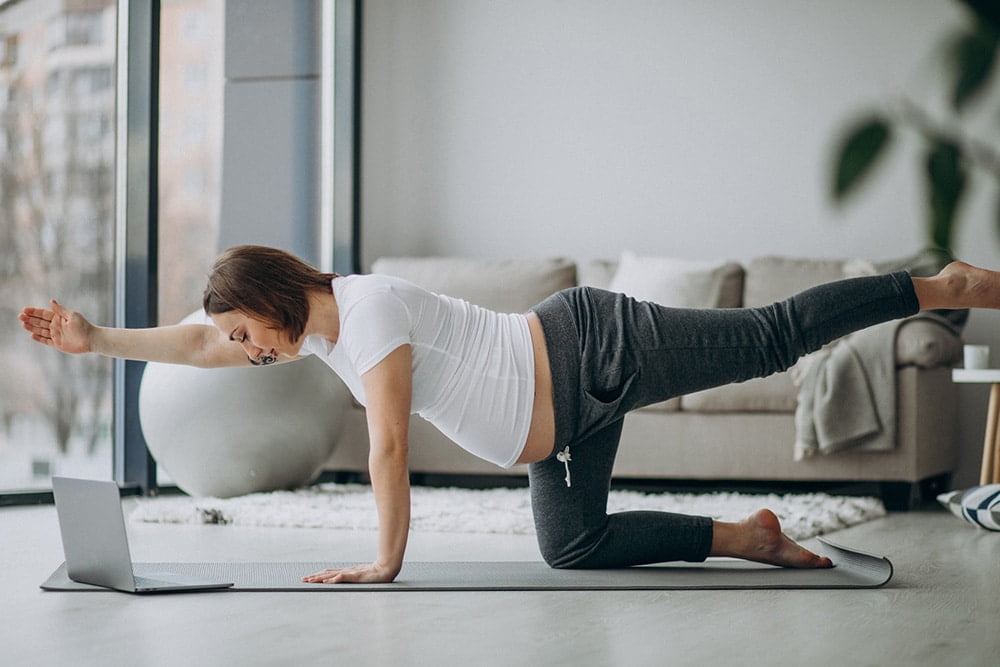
x: 473, y: 369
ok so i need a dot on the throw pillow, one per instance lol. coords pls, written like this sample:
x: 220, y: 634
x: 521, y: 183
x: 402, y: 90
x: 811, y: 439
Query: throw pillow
x: 979, y: 505
x: 681, y: 283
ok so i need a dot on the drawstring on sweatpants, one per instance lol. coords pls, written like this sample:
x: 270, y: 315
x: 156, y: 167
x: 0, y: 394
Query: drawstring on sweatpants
x: 565, y: 458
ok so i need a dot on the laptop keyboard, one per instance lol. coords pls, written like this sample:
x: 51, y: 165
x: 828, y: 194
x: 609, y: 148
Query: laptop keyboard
x: 147, y: 582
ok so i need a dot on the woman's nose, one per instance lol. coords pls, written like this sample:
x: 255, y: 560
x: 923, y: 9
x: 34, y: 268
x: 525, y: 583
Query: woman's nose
x: 252, y: 350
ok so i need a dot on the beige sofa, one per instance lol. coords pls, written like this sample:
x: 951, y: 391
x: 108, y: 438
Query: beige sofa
x: 745, y: 431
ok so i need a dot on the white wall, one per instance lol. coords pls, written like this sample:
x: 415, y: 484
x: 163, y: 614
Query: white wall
x: 691, y: 128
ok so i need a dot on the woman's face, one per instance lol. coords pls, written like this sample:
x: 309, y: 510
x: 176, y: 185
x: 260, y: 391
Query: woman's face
x: 262, y: 343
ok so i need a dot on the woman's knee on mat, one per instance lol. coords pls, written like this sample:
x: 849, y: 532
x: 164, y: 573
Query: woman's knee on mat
x: 566, y: 552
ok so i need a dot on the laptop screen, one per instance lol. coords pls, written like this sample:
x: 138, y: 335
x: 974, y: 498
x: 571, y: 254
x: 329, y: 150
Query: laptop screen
x: 93, y: 532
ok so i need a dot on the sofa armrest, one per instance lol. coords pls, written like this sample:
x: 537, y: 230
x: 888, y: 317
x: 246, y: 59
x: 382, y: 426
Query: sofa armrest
x: 925, y: 342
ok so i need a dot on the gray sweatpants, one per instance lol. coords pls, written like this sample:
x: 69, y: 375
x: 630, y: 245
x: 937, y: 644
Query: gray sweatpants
x: 611, y: 354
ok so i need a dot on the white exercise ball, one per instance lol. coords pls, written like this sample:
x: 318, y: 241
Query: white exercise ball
x: 230, y: 431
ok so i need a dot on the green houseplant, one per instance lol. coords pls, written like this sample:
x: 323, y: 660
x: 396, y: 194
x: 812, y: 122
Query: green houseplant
x: 949, y: 152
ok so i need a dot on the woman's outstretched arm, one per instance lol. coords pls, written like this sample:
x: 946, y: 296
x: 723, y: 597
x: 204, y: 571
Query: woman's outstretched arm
x: 191, y: 344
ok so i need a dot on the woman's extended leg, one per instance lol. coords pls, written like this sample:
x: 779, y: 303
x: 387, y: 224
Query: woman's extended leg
x: 650, y: 353
x: 645, y: 353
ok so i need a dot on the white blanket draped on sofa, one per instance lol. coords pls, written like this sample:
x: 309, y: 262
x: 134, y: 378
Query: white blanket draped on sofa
x: 847, y: 392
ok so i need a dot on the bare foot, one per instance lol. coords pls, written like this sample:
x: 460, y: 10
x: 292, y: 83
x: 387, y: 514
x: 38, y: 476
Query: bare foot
x: 959, y: 285
x: 759, y: 538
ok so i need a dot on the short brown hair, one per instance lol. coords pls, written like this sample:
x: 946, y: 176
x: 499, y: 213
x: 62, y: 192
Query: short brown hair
x: 264, y: 283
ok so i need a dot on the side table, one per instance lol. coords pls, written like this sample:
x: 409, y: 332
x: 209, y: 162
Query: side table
x: 990, y: 473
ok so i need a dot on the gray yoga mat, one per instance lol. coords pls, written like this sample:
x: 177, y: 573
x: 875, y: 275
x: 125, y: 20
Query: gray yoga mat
x: 854, y: 569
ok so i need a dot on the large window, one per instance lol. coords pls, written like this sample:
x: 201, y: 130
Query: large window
x: 190, y: 150
x: 129, y: 241
x: 57, y: 152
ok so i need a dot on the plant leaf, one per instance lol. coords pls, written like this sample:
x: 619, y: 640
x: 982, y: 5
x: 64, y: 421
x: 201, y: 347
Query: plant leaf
x: 859, y: 149
x: 946, y: 180
x: 973, y: 55
x: 987, y: 11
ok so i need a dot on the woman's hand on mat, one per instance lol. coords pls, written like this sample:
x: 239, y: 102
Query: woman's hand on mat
x: 373, y: 573
x: 61, y: 328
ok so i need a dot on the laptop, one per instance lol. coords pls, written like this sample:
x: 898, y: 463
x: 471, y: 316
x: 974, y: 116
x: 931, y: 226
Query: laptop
x: 96, y: 546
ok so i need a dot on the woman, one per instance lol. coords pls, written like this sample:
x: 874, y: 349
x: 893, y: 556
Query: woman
x: 549, y: 388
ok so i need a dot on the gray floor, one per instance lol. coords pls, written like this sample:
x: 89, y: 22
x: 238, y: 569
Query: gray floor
x: 943, y: 607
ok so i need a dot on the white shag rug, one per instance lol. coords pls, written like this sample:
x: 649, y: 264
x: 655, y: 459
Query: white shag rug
x: 508, y: 511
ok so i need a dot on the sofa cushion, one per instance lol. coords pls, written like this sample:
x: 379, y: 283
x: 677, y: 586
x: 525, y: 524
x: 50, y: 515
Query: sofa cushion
x: 924, y: 263
x: 775, y: 393
x: 596, y: 273
x: 507, y: 286
x: 680, y: 283
x: 770, y: 279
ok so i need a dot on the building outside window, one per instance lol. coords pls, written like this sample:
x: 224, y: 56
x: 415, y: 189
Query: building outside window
x: 190, y: 150
x: 190, y: 154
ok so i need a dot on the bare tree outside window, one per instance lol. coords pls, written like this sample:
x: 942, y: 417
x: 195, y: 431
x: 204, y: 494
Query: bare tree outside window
x: 57, y: 106
x: 57, y: 127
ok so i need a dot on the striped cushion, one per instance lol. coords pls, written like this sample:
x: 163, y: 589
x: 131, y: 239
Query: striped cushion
x: 979, y: 505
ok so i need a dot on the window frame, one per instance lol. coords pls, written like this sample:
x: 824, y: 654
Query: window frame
x: 136, y: 224
x: 136, y: 203
x: 136, y: 287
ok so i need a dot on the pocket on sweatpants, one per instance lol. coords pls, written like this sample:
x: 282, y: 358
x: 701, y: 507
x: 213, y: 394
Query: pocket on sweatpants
x: 603, y: 402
